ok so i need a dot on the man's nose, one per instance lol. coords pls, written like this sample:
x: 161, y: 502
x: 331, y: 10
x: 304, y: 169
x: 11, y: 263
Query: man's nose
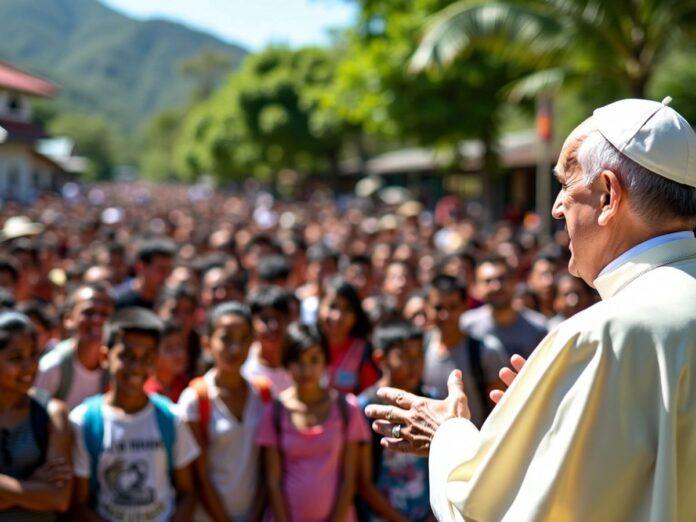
x: 557, y: 210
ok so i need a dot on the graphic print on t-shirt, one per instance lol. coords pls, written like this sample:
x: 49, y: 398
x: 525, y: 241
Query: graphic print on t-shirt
x: 127, y: 483
x: 404, y: 480
x: 128, y: 479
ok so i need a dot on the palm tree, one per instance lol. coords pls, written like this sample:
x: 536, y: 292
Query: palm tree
x: 616, y: 41
x: 608, y: 47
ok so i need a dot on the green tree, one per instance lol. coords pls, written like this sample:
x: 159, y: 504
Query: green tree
x: 265, y: 118
x: 159, y: 140
x: 432, y: 106
x: 611, y: 47
x: 677, y: 79
x: 207, y: 70
x: 93, y: 139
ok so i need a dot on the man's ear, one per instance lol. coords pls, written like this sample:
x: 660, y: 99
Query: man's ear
x: 205, y: 342
x: 611, y: 197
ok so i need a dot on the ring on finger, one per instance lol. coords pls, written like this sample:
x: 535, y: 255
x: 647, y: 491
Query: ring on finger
x: 396, y: 431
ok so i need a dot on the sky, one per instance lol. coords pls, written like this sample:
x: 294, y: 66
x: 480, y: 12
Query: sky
x: 251, y: 23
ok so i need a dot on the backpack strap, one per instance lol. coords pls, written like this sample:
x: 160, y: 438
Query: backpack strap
x: 277, y: 419
x: 201, y: 388
x: 39, y: 419
x: 104, y: 382
x: 166, y: 423
x: 66, y: 361
x: 474, y: 352
x: 93, y: 435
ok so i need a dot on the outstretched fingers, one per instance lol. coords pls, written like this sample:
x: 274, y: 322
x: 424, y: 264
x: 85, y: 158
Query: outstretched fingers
x: 517, y: 362
x: 391, y: 414
x: 496, y: 395
x: 507, y: 375
x: 397, y: 397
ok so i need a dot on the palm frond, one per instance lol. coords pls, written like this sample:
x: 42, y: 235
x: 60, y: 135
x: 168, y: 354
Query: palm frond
x: 499, y: 27
x: 544, y: 81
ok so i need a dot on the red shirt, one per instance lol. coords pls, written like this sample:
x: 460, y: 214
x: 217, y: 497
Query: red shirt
x: 351, y: 368
x: 152, y: 385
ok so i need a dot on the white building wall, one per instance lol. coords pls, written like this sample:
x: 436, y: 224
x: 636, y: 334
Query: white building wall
x: 17, y: 173
x: 20, y: 113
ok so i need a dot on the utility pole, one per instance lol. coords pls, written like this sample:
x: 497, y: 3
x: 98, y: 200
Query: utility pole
x: 544, y: 125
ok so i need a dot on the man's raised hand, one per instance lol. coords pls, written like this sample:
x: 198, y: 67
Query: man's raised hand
x: 507, y: 376
x: 418, y: 417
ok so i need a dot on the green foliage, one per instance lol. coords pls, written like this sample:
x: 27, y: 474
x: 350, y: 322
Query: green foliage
x: 159, y: 140
x: 266, y: 118
x: 93, y: 138
x: 207, y: 70
x: 374, y: 90
x: 616, y: 45
x: 677, y: 79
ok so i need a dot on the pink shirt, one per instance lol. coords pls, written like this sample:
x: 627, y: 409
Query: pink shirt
x: 312, y: 459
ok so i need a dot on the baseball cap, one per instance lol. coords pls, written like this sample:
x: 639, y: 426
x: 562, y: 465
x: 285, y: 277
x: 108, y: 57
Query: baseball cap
x: 653, y: 135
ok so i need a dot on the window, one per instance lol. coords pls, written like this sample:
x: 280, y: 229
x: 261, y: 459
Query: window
x: 14, y: 104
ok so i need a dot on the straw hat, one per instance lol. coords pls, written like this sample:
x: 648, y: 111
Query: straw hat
x: 19, y: 226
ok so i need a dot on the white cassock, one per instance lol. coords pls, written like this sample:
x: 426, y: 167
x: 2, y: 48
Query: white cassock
x: 601, y: 422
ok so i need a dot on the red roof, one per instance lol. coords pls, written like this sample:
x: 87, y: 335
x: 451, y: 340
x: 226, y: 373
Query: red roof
x: 16, y: 80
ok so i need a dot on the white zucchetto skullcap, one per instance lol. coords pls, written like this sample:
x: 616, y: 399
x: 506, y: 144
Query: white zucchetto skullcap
x: 651, y: 134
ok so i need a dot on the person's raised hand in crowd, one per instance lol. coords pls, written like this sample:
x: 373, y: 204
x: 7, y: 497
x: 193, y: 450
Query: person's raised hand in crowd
x: 507, y: 376
x: 408, y: 422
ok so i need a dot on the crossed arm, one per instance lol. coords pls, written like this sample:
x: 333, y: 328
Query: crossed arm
x: 50, y: 486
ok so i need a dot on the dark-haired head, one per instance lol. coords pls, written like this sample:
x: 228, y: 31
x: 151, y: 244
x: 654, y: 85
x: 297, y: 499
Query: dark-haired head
x: 447, y: 284
x: 132, y: 319
x: 149, y: 249
x: 274, y: 270
x: 88, y: 291
x: 224, y: 309
x: 19, y: 353
x: 394, y: 334
x: 399, y: 354
x: 9, y: 271
x: 171, y: 327
x: 339, y: 293
x: 178, y: 303
x: 268, y: 297
x: 13, y: 324
x: 301, y: 338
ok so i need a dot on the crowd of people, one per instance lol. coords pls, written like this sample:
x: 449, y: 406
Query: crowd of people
x: 178, y: 354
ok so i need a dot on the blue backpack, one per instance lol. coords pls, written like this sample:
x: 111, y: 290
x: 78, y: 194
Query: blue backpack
x: 93, y: 434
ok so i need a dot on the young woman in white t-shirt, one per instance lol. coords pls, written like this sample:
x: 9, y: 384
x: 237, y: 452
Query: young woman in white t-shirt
x: 223, y: 411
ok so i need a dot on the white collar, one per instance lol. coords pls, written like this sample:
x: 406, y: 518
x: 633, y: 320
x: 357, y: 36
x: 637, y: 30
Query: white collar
x: 642, y: 247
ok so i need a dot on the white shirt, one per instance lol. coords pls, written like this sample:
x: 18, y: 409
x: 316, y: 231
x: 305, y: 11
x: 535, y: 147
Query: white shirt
x: 252, y: 369
x: 642, y: 247
x: 134, y: 482
x: 85, y: 383
x: 232, y: 455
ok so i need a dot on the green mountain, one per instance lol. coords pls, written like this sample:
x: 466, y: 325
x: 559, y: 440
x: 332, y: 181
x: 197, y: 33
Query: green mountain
x: 103, y: 61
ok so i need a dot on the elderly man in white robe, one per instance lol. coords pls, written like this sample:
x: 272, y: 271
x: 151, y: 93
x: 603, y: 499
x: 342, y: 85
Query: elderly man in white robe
x: 600, y: 423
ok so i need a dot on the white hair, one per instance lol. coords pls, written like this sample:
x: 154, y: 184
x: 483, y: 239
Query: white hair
x: 652, y: 196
